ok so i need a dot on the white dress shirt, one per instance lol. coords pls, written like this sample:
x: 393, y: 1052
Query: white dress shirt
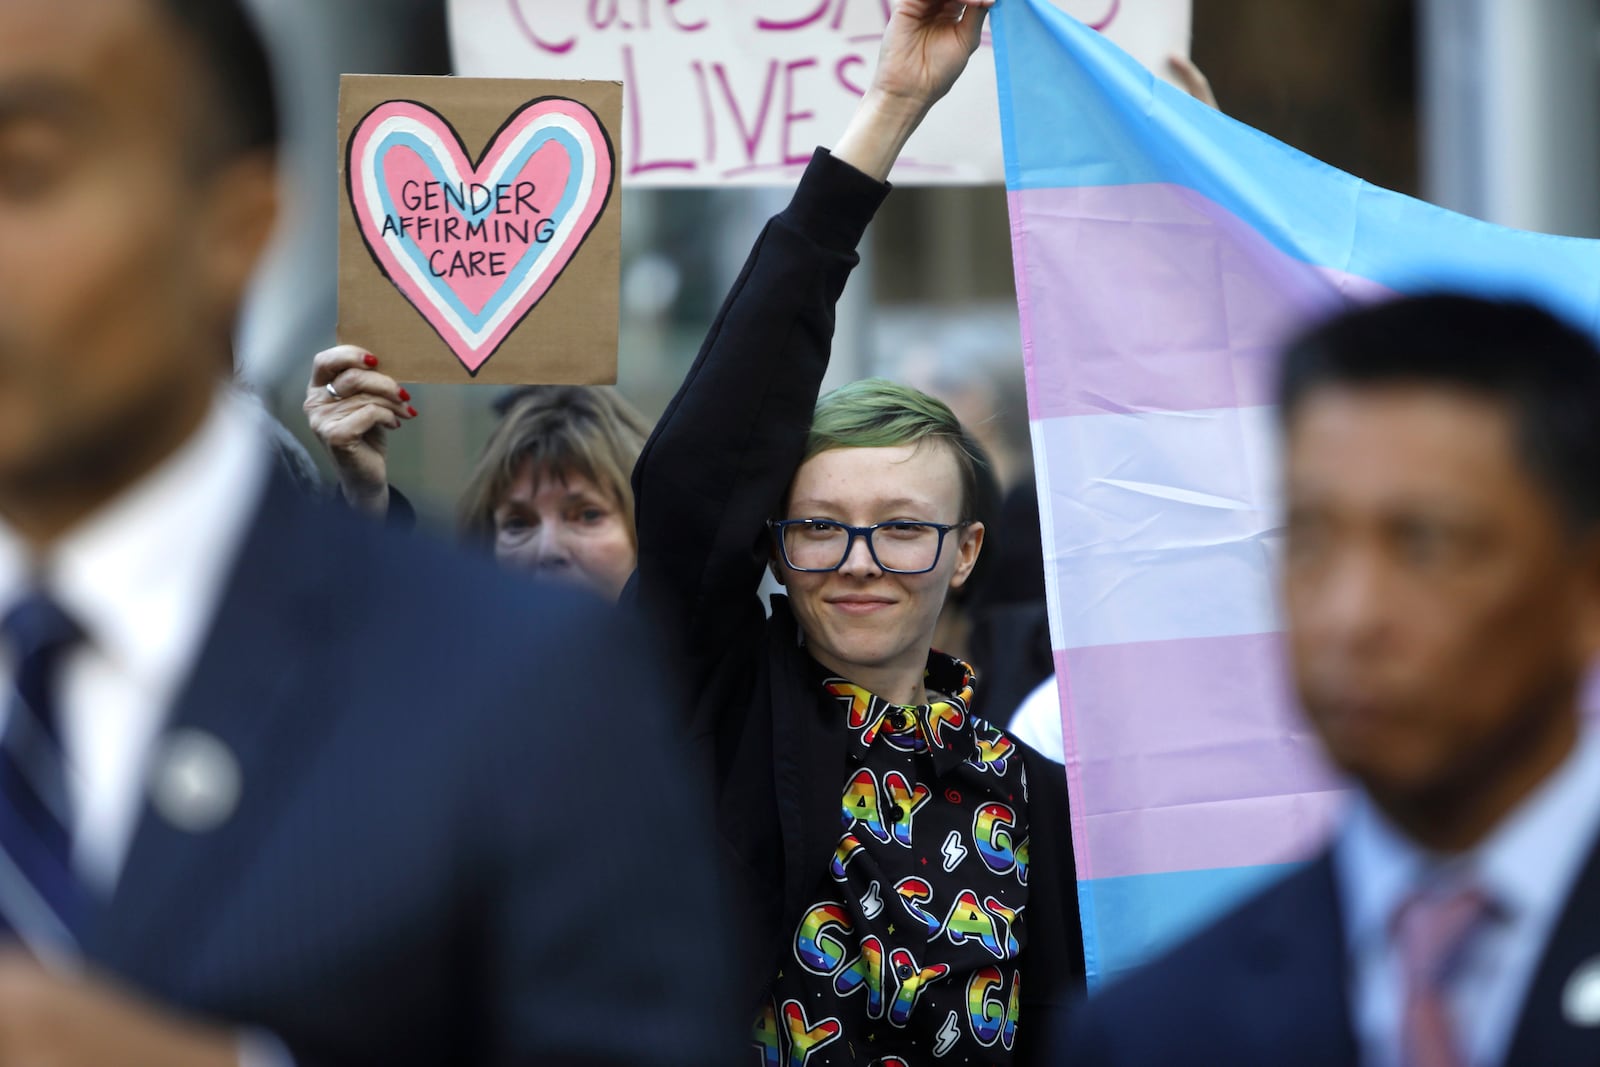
x: 142, y: 578
x: 1037, y: 721
x: 1527, y: 867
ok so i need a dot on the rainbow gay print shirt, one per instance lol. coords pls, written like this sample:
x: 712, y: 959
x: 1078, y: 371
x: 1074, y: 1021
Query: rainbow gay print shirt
x: 908, y: 954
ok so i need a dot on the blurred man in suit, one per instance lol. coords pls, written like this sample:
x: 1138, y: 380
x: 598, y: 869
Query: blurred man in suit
x: 276, y: 786
x: 1442, y: 583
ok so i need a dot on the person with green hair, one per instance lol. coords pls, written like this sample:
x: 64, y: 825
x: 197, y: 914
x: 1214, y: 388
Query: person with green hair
x: 903, y: 868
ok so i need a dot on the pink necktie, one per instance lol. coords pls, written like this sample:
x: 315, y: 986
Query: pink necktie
x: 1431, y: 930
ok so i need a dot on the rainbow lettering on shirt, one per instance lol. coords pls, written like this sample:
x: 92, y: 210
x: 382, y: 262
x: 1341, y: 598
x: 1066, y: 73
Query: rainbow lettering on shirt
x: 849, y: 845
x: 967, y: 919
x: 914, y: 892
x: 804, y: 1038
x: 767, y: 1039
x: 911, y: 987
x: 991, y: 829
x: 985, y: 1016
x: 907, y: 741
x: 1008, y: 1033
x: 909, y: 798
x: 1022, y: 861
x: 860, y: 806
x: 817, y: 950
x: 864, y: 972
x: 944, y: 714
x: 996, y: 907
x: 860, y: 704
x: 994, y: 748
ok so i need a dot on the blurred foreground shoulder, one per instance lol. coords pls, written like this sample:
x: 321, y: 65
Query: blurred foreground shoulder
x: 1261, y: 987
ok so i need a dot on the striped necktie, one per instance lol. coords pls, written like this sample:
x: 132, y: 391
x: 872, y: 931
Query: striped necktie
x: 41, y: 900
x: 1432, y: 929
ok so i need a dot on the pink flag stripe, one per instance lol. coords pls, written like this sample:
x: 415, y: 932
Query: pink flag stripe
x: 1178, y: 305
x: 1201, y: 725
x: 1242, y: 832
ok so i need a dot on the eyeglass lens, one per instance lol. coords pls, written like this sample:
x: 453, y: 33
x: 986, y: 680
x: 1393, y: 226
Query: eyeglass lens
x: 823, y: 545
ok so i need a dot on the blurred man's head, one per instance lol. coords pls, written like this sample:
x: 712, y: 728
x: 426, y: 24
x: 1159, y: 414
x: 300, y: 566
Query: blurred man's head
x: 1443, y: 561
x: 136, y: 193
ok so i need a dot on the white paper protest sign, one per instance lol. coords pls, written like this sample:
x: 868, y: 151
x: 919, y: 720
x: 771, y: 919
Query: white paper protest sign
x: 738, y: 92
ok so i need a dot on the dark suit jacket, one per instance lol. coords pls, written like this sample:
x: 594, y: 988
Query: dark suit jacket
x: 714, y: 471
x: 462, y: 836
x: 1266, y: 986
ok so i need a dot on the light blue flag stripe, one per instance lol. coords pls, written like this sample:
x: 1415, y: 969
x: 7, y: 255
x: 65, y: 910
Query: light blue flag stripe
x: 1078, y: 111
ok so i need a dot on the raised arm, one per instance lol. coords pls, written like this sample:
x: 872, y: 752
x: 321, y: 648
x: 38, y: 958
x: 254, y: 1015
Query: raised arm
x: 721, y: 458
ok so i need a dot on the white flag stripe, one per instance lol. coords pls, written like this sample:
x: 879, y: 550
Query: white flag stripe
x: 1162, y: 526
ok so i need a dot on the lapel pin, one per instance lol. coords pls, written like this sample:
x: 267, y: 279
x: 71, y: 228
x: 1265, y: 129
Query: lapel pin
x: 1580, y: 1000
x: 197, y: 782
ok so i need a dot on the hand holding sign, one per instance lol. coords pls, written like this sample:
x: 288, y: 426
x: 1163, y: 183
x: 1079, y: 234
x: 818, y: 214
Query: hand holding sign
x: 351, y: 405
x: 475, y: 246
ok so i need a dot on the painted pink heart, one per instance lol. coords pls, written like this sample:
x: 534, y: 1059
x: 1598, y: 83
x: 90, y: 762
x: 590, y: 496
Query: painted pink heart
x: 474, y: 246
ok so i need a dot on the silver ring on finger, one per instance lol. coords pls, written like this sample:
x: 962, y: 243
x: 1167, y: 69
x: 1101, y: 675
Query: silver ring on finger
x: 332, y: 391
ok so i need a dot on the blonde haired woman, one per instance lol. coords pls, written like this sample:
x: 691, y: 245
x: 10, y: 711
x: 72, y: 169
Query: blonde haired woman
x: 550, y: 492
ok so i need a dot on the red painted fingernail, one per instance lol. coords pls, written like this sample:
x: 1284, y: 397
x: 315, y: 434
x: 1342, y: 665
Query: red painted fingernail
x: 412, y: 412
x: 403, y: 394
x: 370, y: 360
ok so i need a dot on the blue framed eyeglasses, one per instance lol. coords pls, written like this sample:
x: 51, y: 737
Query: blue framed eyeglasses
x: 816, y: 546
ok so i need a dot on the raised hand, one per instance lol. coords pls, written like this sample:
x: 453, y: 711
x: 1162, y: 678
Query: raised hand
x: 1191, y: 79
x: 351, y: 406
x: 925, y: 48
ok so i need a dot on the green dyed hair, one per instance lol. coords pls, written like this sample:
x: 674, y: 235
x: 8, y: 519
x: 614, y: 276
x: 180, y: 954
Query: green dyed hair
x: 878, y: 413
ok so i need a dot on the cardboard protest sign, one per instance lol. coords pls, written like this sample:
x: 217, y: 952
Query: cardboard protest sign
x: 480, y: 234
x: 738, y: 92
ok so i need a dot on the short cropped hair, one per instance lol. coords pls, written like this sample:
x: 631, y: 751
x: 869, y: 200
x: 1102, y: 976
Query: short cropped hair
x: 877, y: 413
x: 562, y: 430
x: 1545, y: 372
x: 229, y: 48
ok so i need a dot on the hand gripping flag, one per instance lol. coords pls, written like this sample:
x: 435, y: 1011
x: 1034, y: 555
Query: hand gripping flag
x: 1163, y: 251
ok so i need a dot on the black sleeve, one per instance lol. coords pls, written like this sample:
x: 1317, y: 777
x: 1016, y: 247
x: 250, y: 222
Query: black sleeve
x: 1052, y: 963
x: 717, y: 466
x: 401, y: 514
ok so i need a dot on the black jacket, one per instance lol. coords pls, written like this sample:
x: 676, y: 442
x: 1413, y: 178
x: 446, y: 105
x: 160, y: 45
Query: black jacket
x: 715, y: 469
x: 431, y: 861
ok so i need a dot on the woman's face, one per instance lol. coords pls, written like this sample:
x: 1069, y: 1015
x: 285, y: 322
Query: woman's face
x: 564, y: 526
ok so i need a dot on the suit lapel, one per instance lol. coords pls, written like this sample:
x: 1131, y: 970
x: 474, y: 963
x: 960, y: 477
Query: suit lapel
x: 246, y: 685
x: 1548, y: 1031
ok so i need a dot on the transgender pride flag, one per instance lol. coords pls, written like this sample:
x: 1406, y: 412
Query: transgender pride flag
x: 1162, y: 252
